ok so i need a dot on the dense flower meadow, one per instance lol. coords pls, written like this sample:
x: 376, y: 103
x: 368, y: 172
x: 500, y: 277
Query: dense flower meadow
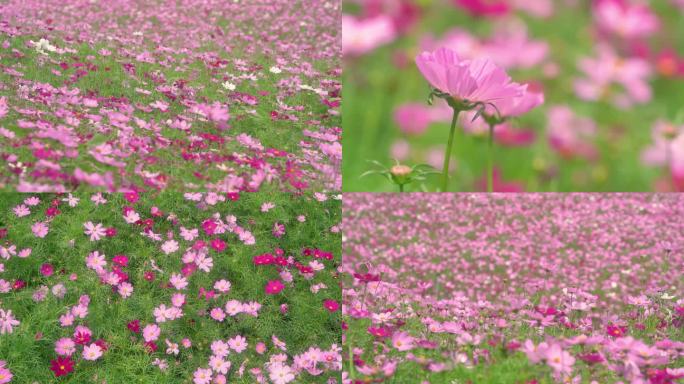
x: 199, y: 288
x: 525, y: 288
x: 197, y: 95
x: 514, y: 95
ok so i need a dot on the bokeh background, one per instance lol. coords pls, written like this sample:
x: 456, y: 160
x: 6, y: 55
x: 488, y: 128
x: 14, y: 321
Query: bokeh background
x: 611, y: 72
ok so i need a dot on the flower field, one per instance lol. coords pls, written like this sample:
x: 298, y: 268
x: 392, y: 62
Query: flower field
x: 513, y: 95
x: 169, y: 288
x: 198, y: 95
x: 525, y: 288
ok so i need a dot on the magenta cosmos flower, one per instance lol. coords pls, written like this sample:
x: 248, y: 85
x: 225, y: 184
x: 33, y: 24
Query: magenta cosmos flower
x: 468, y: 81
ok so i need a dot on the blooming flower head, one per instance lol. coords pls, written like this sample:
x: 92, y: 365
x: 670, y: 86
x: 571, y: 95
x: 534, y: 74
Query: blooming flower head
x: 5, y: 374
x: 624, y: 19
x: 560, y: 360
x: 95, y: 231
x: 331, y: 305
x: 62, y: 366
x: 65, y: 347
x: 7, y: 321
x: 402, y: 341
x: 238, y: 343
x: 360, y: 36
x: 467, y: 81
x: 280, y: 373
x: 274, y: 287
x: 40, y: 229
x: 92, y: 352
x: 151, y: 332
x: 202, y: 376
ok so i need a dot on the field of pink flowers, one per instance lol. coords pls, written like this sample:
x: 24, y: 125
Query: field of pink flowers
x: 525, y: 288
x: 198, y: 288
x: 196, y: 95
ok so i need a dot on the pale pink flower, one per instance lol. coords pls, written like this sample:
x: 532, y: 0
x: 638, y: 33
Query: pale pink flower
x: 360, y: 36
x: 178, y: 281
x: 220, y: 348
x: 151, y: 332
x: 95, y: 231
x: 280, y: 373
x: 125, y: 289
x: 7, y: 321
x: 169, y: 246
x: 21, y: 210
x: 40, y: 229
x: 92, y: 352
x: 238, y: 343
x: 65, y: 346
x: 402, y: 341
x: 217, y: 314
x: 202, y: 376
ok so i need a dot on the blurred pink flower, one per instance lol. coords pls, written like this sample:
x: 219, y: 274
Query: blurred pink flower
x: 360, y: 36
x: 484, y: 7
x: 606, y: 70
x: 570, y: 134
x: 625, y: 19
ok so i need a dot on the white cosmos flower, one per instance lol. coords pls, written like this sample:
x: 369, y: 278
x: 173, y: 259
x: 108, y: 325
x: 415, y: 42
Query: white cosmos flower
x: 229, y: 86
x: 275, y: 70
x: 43, y: 45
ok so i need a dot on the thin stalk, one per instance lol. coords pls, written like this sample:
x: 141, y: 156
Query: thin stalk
x: 447, y: 154
x: 490, y: 160
x: 352, y: 374
x: 401, y: 187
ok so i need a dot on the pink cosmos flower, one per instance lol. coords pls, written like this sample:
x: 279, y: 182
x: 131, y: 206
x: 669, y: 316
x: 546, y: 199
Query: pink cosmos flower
x: 179, y: 282
x: 220, y: 348
x: 280, y: 373
x: 65, y: 347
x: 21, y: 210
x: 7, y: 321
x: 40, y: 229
x: 125, y: 289
x: 202, y: 376
x: 219, y: 365
x: 47, y: 270
x: 402, y: 341
x: 360, y: 36
x: 5, y: 374
x: 484, y: 7
x: 274, y: 287
x: 151, y: 332
x: 233, y: 307
x: 217, y: 314
x: 92, y: 352
x: 607, y: 71
x: 238, y: 343
x: 474, y: 81
x: 95, y: 231
x: 569, y: 134
x: 561, y: 361
x: 625, y: 19
x: 170, y: 246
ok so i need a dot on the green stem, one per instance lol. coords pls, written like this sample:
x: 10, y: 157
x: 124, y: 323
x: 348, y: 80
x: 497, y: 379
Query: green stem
x: 352, y: 374
x: 447, y: 154
x: 401, y: 187
x: 490, y: 162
